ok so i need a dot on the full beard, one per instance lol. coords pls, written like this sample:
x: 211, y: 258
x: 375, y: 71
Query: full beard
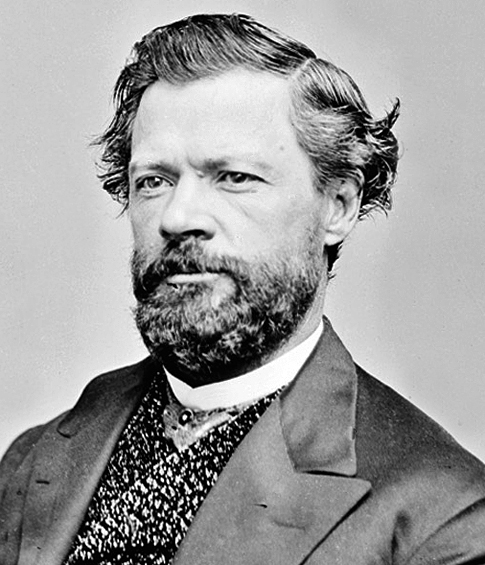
x: 215, y: 330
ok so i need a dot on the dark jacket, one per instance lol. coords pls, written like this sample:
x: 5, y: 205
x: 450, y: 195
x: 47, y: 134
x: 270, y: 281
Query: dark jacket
x: 339, y: 470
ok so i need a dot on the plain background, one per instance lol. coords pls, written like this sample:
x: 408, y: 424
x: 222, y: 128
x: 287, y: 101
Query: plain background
x: 408, y: 299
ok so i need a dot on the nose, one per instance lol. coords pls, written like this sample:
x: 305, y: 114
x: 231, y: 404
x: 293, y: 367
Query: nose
x: 186, y: 211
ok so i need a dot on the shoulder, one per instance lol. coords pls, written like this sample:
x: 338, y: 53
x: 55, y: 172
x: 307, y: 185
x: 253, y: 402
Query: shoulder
x: 111, y: 388
x: 408, y: 439
x: 100, y: 393
x: 421, y: 477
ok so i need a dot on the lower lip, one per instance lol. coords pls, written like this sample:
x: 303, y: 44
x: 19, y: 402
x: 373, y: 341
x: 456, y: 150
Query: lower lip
x: 192, y: 278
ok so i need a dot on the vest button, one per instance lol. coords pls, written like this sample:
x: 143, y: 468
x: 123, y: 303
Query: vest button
x: 185, y: 416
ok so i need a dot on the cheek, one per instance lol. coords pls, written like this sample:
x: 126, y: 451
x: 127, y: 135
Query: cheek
x: 135, y: 223
x: 305, y: 232
x: 286, y: 232
x: 144, y: 230
x: 298, y: 217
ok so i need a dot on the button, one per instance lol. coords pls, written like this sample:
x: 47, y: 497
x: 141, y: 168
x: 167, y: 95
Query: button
x: 185, y: 416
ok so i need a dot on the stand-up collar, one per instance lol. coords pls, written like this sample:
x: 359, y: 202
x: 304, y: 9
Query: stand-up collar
x: 248, y: 387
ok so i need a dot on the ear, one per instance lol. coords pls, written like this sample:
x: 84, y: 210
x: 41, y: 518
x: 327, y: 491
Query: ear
x: 343, y: 205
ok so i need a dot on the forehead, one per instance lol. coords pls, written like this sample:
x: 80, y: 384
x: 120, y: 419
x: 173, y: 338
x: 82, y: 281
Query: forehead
x: 238, y: 110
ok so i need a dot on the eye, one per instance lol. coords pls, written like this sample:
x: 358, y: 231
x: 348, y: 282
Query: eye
x: 152, y: 183
x: 238, y: 180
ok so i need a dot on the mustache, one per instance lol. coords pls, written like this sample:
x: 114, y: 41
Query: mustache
x: 182, y: 257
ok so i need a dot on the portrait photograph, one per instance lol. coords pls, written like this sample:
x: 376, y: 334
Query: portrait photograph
x: 242, y: 282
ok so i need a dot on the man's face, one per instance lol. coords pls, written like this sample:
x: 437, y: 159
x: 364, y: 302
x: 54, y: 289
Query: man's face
x: 227, y: 223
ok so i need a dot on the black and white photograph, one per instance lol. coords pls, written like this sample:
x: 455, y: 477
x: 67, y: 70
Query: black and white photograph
x: 242, y: 275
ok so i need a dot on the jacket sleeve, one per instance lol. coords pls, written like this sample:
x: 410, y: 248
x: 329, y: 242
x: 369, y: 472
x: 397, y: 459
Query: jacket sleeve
x: 459, y: 541
x: 15, y: 472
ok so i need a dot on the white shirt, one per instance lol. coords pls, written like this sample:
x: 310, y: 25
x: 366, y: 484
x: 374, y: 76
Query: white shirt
x: 248, y: 387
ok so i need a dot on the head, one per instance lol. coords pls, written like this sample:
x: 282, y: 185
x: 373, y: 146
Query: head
x: 336, y: 163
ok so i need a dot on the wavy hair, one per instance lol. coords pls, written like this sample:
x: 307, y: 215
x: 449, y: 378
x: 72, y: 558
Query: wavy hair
x: 331, y: 118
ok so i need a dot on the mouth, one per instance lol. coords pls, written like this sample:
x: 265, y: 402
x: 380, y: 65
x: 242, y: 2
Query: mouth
x: 186, y: 278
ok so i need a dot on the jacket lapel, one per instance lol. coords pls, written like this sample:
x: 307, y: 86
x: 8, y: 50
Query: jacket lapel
x: 72, y: 459
x: 291, y: 480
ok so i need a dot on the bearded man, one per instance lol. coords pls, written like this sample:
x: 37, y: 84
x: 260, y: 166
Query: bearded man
x: 248, y: 435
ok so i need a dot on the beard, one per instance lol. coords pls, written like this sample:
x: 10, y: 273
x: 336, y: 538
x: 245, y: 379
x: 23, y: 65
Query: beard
x: 212, y: 330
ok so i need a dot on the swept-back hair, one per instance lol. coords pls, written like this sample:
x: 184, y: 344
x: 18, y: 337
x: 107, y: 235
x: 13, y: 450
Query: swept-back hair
x: 332, y: 121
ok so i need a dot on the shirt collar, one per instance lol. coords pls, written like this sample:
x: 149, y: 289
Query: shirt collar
x: 250, y: 386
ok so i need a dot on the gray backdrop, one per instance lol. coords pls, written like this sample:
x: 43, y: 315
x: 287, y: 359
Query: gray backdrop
x: 408, y: 299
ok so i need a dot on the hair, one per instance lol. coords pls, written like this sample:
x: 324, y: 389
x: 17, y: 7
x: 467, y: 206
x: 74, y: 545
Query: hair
x: 331, y: 118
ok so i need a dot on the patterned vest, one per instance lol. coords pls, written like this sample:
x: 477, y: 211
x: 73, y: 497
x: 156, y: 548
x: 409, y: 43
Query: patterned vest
x: 151, y: 490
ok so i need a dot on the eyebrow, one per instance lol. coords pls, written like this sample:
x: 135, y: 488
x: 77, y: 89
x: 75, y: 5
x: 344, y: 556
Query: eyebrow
x: 151, y: 165
x: 209, y: 165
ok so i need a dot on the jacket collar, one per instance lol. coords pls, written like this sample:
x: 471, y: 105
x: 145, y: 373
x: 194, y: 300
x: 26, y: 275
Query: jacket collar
x: 318, y: 410
x: 291, y: 480
x: 107, y: 398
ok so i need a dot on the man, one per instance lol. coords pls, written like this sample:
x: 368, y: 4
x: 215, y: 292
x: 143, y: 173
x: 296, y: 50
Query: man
x: 248, y: 435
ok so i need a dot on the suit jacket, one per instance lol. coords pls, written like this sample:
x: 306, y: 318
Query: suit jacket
x: 339, y: 470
